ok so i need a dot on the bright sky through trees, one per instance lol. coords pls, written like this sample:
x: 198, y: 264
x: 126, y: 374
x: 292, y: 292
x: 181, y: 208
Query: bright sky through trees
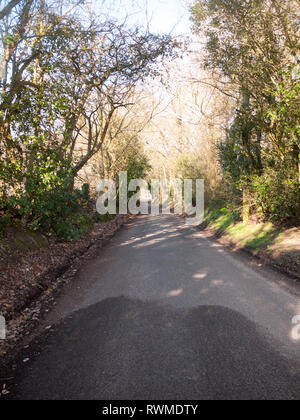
x: 163, y: 16
x: 166, y: 15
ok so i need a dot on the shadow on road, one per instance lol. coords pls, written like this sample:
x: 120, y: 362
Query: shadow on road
x: 128, y: 349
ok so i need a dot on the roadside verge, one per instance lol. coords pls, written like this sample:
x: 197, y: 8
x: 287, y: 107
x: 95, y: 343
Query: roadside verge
x: 30, y: 281
x: 279, y: 248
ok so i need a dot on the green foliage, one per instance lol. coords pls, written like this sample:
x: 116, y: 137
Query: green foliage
x: 254, y: 44
x: 189, y: 167
x: 277, y: 195
x: 4, y: 221
x: 126, y: 154
x: 65, y: 231
x: 71, y: 228
x: 85, y: 193
x: 255, y: 236
x: 138, y: 166
x: 57, y: 86
x: 103, y: 218
x: 222, y: 218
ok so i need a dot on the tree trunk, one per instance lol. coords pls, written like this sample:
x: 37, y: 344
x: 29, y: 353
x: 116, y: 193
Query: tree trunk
x: 246, y: 205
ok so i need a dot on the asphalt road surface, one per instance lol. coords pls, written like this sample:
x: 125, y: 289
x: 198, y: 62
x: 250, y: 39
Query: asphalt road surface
x: 166, y: 313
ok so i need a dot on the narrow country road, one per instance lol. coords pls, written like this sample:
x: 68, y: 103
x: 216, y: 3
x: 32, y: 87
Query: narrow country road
x: 166, y: 313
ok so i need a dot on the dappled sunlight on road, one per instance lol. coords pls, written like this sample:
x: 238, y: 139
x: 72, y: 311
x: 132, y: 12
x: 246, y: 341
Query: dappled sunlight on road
x: 174, y: 293
x: 159, y: 259
x: 170, y: 306
x: 200, y: 276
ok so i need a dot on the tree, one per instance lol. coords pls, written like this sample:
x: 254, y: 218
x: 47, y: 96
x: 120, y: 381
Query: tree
x: 68, y: 76
x: 254, y: 45
x: 6, y: 10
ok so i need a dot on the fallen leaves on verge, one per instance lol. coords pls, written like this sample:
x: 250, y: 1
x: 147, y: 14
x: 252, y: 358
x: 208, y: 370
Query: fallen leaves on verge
x: 28, y: 277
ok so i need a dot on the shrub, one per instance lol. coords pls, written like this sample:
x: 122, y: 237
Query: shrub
x: 277, y: 196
